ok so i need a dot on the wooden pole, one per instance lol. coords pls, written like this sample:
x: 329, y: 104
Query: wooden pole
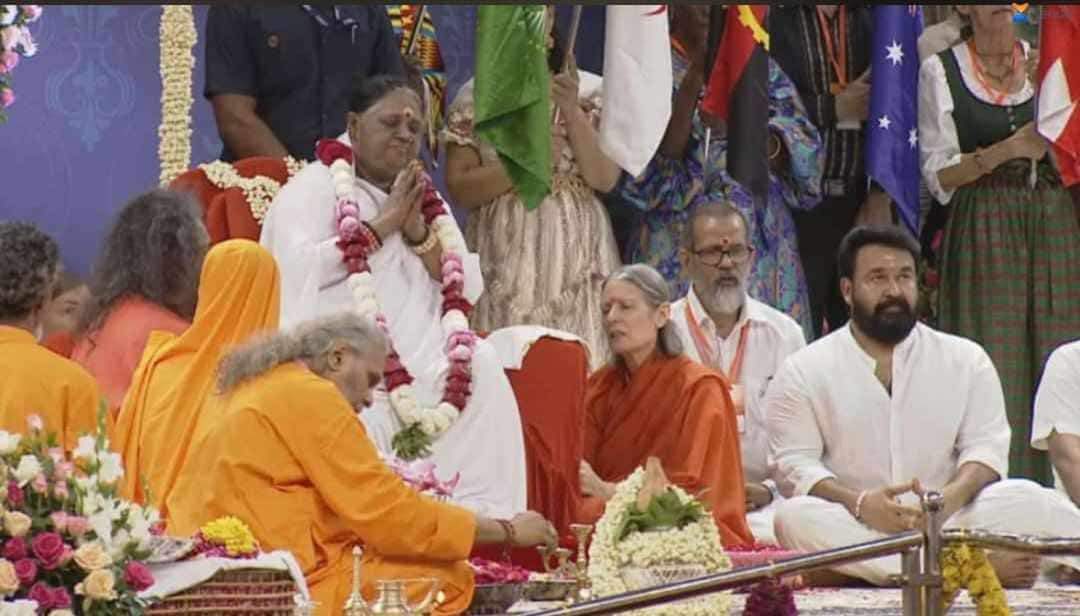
x: 575, y: 21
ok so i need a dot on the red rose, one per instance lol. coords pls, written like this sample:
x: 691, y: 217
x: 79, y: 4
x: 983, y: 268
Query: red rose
x: 456, y: 400
x: 458, y: 303
x: 397, y: 379
x: 60, y: 598
x: 459, y: 371
x: 26, y: 571
x: 42, y: 594
x: 49, y: 549
x: 15, y: 495
x: 15, y: 549
x: 138, y: 576
x: 329, y: 150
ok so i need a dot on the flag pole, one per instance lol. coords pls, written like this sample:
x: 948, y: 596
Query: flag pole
x: 575, y: 21
x: 418, y: 23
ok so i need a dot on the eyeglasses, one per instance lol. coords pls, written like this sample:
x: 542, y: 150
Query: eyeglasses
x: 715, y: 256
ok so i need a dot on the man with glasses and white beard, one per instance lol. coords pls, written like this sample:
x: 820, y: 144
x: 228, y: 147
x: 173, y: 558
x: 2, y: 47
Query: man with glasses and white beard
x: 866, y: 419
x: 746, y: 340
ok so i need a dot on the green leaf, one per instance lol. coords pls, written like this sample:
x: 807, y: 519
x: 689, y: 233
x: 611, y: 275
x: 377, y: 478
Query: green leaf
x: 412, y: 443
x: 665, y: 510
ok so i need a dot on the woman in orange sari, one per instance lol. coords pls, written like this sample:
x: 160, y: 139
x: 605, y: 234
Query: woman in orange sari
x: 652, y: 400
x: 170, y: 402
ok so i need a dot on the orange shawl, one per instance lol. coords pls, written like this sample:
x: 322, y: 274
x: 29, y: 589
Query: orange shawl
x: 170, y: 401
x: 679, y: 411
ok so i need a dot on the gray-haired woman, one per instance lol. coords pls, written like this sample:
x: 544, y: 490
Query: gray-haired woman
x: 653, y: 401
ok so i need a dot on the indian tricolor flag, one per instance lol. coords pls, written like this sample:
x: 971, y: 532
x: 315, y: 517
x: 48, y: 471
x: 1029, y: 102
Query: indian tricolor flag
x: 637, y: 84
x: 1059, y: 86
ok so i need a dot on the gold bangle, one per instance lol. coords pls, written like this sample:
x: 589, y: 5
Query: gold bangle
x: 427, y: 245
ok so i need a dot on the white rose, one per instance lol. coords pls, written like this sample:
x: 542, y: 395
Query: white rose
x: 85, y: 449
x: 7, y: 14
x: 340, y: 166
x: 447, y: 411
x: 112, y: 468
x: 26, y: 42
x: 399, y: 395
x: 454, y: 321
x: 442, y: 424
x: 428, y: 426
x: 19, y: 608
x: 9, y: 442
x: 28, y: 468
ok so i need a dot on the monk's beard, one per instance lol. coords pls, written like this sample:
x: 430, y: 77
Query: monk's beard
x: 885, y: 326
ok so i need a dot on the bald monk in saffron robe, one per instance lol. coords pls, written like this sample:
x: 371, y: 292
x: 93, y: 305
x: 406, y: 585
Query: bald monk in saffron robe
x: 36, y: 381
x: 169, y: 402
x: 291, y: 459
x: 652, y: 401
x: 145, y: 279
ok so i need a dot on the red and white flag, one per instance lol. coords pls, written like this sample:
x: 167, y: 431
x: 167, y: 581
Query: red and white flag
x: 637, y: 84
x: 1058, y: 116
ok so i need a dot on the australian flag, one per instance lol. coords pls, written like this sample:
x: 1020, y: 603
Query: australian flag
x: 892, y: 140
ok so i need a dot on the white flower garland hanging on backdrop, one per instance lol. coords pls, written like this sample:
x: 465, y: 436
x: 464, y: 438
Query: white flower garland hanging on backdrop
x: 178, y: 37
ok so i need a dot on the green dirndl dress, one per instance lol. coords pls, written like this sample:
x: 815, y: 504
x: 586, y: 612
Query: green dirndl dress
x: 1010, y: 264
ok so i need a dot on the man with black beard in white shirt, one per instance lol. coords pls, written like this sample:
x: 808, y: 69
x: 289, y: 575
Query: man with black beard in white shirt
x: 864, y: 420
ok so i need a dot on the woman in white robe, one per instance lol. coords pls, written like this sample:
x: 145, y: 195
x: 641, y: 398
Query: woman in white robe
x: 485, y: 443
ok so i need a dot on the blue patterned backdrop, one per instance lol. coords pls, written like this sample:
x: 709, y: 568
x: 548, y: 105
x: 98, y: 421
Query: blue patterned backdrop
x: 82, y: 137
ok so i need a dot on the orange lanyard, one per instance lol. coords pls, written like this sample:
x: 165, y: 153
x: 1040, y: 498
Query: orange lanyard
x: 839, y: 62
x: 706, y: 352
x: 976, y: 62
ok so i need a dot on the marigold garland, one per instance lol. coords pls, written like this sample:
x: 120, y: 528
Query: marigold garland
x: 964, y: 567
x: 178, y: 37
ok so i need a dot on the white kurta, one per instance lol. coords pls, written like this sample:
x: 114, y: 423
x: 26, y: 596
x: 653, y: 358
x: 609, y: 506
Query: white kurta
x: 830, y: 417
x: 485, y: 444
x: 1057, y: 403
x: 771, y: 338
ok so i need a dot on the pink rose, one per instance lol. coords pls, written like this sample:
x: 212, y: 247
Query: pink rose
x: 35, y: 423
x: 77, y: 526
x: 43, y: 594
x: 26, y: 571
x: 60, y: 598
x: 60, y: 490
x: 15, y: 495
x: 8, y: 61
x: 138, y: 576
x: 348, y: 226
x: 14, y: 549
x: 56, y: 454
x: 39, y: 484
x: 49, y: 549
x: 348, y: 209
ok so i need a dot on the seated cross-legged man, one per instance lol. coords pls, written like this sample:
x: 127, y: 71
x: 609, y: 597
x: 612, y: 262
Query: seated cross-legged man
x: 653, y: 401
x: 1056, y: 425
x: 864, y: 420
x: 1057, y: 417
x: 289, y: 457
x: 725, y: 329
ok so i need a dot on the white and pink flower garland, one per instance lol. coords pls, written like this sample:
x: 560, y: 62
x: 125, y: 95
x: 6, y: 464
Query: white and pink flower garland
x: 15, y: 42
x: 357, y: 241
